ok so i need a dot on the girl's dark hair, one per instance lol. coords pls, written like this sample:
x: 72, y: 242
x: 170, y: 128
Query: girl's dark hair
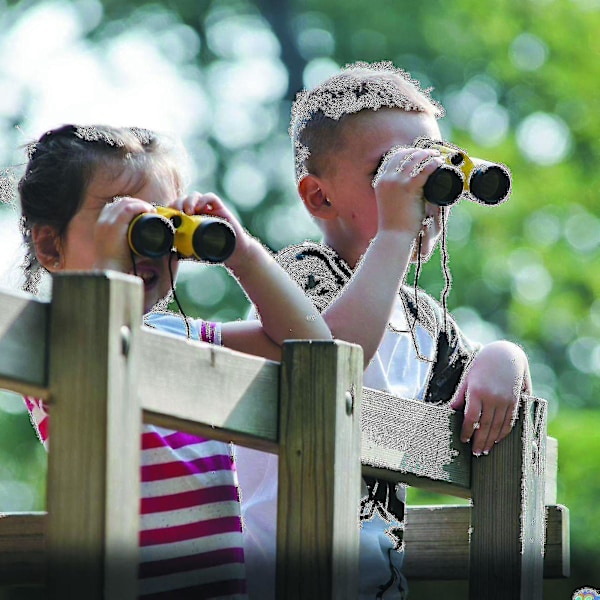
x: 61, y: 165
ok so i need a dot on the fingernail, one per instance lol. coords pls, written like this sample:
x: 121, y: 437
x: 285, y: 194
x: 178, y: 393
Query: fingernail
x: 477, y: 454
x: 486, y: 452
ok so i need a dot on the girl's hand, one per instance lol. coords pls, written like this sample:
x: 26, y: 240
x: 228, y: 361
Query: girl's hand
x: 211, y: 205
x: 110, y: 233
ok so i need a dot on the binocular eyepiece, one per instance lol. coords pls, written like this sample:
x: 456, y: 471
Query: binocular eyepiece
x: 205, y: 238
x: 476, y: 179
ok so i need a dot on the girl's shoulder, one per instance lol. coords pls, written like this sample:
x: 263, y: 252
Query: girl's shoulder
x: 171, y: 322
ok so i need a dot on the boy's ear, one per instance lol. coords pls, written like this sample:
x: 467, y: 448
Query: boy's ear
x: 315, y: 199
x: 46, y: 241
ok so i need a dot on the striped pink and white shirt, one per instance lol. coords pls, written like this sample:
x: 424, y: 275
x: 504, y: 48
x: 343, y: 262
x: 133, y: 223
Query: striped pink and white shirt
x: 191, y: 543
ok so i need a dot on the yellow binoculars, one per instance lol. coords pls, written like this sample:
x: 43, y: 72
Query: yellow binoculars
x: 462, y: 175
x: 205, y: 238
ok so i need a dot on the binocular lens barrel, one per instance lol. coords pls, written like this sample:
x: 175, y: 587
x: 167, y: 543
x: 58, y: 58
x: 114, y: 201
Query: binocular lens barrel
x: 443, y: 186
x: 152, y: 235
x: 490, y: 184
x: 209, y: 239
x: 214, y: 241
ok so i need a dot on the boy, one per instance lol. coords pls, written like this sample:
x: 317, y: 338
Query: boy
x: 361, y: 179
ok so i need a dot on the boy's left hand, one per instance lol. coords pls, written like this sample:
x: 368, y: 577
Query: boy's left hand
x: 490, y: 392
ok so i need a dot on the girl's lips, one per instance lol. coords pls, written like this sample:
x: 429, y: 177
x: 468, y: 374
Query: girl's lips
x: 148, y: 274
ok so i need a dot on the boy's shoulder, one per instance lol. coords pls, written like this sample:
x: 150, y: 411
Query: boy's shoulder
x: 322, y: 273
x: 317, y: 269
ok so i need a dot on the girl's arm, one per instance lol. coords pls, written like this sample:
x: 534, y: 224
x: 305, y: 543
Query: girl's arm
x: 284, y: 310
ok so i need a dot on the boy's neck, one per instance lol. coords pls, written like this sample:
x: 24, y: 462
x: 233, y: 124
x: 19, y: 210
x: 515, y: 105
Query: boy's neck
x: 349, y: 252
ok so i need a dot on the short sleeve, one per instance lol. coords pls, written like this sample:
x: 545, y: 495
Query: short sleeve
x: 317, y: 269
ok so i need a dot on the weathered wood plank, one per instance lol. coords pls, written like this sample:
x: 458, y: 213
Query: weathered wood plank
x: 551, y: 474
x: 507, y: 520
x: 242, y: 390
x: 23, y: 343
x: 22, y: 548
x: 437, y: 542
x: 398, y: 434
x: 93, y: 463
x: 418, y: 441
x: 319, y: 471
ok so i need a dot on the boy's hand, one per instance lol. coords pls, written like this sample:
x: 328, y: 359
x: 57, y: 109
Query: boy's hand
x: 490, y: 393
x: 399, y: 185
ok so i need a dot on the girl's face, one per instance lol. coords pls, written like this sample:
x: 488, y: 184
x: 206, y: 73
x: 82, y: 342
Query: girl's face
x: 96, y: 237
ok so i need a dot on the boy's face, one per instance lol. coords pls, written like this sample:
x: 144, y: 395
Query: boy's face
x: 365, y: 139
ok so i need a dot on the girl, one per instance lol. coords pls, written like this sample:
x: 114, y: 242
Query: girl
x: 81, y: 189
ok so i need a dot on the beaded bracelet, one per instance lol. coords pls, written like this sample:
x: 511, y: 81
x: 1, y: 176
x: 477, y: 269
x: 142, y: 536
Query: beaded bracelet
x: 210, y: 332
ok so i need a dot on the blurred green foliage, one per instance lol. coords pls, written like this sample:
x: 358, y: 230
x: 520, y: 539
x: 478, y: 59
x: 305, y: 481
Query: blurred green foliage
x: 519, y: 81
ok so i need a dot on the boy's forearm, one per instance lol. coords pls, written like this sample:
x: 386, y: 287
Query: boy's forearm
x: 284, y: 310
x: 371, y: 292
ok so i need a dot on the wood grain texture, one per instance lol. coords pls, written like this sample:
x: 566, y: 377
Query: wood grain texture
x: 436, y: 537
x: 23, y: 343
x: 319, y: 471
x: 94, y: 456
x: 551, y: 474
x: 210, y: 391
x: 414, y: 438
x: 22, y: 548
x: 97, y: 390
x: 437, y: 542
x: 507, y: 519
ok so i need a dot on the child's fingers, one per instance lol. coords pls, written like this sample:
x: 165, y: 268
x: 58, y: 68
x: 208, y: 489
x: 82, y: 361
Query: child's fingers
x: 197, y: 203
x: 398, y: 159
x: 483, y: 428
x: 490, y: 430
x: 123, y: 209
x: 472, y: 417
x: 505, y: 428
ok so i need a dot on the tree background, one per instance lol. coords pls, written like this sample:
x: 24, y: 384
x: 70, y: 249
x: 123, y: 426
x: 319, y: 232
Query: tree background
x: 519, y: 81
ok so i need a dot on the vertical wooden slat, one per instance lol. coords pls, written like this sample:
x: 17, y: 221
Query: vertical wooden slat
x: 95, y: 420
x: 507, y: 520
x: 319, y: 471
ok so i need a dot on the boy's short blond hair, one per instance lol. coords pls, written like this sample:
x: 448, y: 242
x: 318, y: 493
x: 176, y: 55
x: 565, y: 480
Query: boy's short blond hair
x: 318, y: 114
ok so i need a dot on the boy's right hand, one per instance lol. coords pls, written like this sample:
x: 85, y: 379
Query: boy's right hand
x: 399, y: 185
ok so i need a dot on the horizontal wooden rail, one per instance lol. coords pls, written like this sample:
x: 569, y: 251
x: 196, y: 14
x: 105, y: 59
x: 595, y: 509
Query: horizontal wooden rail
x: 437, y: 544
x: 23, y: 344
x: 123, y: 368
x: 397, y: 433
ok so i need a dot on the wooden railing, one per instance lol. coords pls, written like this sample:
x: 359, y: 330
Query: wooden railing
x: 103, y: 374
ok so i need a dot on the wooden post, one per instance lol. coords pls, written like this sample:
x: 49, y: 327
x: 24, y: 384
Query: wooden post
x: 94, y: 454
x: 507, y: 519
x: 319, y: 471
